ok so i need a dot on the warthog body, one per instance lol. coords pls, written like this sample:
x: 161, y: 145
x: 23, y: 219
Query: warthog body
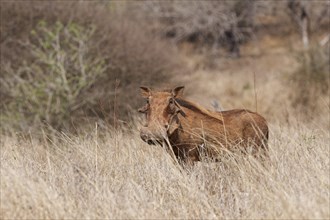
x: 192, y: 129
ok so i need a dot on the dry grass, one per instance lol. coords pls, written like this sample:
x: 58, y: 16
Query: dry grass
x: 113, y: 174
x: 273, y: 92
x: 101, y: 172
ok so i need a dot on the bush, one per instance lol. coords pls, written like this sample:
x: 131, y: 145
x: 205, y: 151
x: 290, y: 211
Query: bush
x: 205, y: 22
x: 48, y: 89
x: 61, y: 66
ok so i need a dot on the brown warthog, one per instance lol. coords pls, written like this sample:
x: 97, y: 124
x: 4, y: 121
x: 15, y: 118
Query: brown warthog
x: 191, y: 129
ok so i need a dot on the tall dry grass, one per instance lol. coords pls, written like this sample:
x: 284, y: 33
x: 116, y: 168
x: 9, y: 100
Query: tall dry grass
x: 108, y: 173
x: 103, y: 172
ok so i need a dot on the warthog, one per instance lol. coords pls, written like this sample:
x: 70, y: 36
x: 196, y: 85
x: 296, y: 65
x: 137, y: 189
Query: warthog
x: 190, y: 129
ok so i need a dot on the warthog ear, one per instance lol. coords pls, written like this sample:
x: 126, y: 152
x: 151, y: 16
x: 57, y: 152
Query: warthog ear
x: 145, y: 91
x: 178, y: 91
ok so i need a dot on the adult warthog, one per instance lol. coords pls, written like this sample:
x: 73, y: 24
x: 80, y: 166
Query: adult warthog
x: 190, y: 130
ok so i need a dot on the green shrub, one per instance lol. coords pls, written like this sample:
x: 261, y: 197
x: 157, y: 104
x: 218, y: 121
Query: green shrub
x: 49, y: 88
x: 106, y: 52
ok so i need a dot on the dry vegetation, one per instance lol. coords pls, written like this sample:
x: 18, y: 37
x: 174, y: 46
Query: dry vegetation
x: 117, y: 176
x: 77, y: 63
x: 70, y: 146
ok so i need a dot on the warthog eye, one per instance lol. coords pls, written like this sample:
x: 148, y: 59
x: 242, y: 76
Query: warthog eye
x: 171, y: 106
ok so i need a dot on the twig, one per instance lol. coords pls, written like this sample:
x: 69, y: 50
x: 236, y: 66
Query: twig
x: 115, y: 103
x: 255, y: 90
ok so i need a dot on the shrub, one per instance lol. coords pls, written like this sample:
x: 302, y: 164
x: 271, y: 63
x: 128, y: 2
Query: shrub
x: 205, y: 22
x: 48, y: 89
x: 72, y: 65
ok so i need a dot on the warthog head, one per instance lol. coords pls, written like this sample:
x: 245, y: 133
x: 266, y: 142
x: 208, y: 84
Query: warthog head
x: 161, y: 111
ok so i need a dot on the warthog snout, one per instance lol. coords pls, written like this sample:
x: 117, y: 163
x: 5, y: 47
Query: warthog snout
x: 150, y: 137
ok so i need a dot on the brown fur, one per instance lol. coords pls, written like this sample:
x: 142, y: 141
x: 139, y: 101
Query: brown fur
x: 191, y: 127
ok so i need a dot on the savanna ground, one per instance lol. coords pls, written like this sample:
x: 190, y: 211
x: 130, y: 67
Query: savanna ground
x: 99, y: 168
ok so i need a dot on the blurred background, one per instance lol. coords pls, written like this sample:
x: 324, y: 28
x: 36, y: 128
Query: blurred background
x: 65, y: 64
